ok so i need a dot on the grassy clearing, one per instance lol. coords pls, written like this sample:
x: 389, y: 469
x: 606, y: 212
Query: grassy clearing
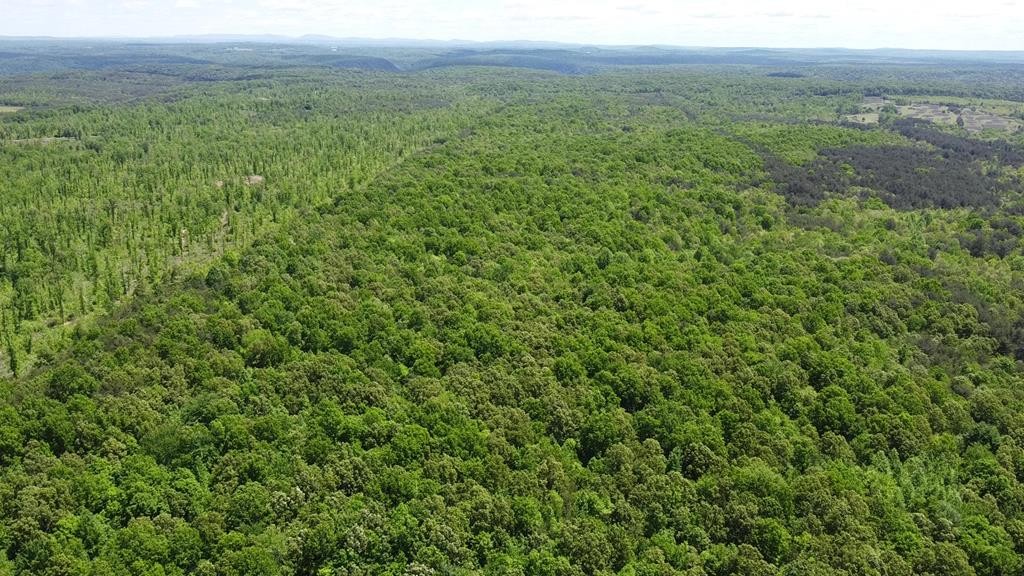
x: 865, y: 118
x: 976, y: 114
x: 990, y: 105
x: 931, y: 112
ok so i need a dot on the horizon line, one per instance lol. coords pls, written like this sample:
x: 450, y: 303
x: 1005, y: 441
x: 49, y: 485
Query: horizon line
x: 397, y: 41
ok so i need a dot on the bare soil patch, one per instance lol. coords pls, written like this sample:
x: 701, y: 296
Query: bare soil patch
x: 863, y: 118
x: 972, y: 118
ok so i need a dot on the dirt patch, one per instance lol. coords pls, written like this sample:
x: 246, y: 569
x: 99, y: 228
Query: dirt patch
x: 254, y: 180
x: 873, y: 102
x: 935, y: 113
x: 978, y: 121
x: 10, y: 109
x: 863, y: 118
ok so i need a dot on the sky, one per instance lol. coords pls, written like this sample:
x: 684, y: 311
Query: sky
x: 931, y: 24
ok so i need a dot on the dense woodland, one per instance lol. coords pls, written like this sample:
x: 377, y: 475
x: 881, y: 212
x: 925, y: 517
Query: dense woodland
x: 468, y: 320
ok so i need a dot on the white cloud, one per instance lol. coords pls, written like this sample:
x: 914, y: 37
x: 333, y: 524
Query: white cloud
x: 950, y: 24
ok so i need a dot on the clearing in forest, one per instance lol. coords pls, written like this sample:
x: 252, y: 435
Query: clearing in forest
x: 976, y: 114
x: 863, y: 118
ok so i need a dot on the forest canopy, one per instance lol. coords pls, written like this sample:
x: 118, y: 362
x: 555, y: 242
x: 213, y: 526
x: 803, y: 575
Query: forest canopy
x: 329, y: 317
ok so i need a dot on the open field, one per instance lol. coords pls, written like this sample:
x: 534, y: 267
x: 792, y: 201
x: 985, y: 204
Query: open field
x: 976, y: 115
x: 975, y: 121
x: 936, y: 113
x: 863, y: 118
x: 990, y: 105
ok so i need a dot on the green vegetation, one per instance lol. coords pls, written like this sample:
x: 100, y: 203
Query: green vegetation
x: 801, y: 143
x: 479, y: 321
x: 993, y: 106
x: 102, y: 203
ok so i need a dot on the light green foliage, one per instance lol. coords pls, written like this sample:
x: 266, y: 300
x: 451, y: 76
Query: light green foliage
x: 553, y: 325
x: 800, y: 143
x: 127, y: 197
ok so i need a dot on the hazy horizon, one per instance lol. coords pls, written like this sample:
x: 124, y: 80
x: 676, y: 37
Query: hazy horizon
x: 401, y: 42
x: 986, y: 25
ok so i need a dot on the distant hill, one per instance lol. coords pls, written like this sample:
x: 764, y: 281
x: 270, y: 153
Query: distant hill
x: 214, y: 55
